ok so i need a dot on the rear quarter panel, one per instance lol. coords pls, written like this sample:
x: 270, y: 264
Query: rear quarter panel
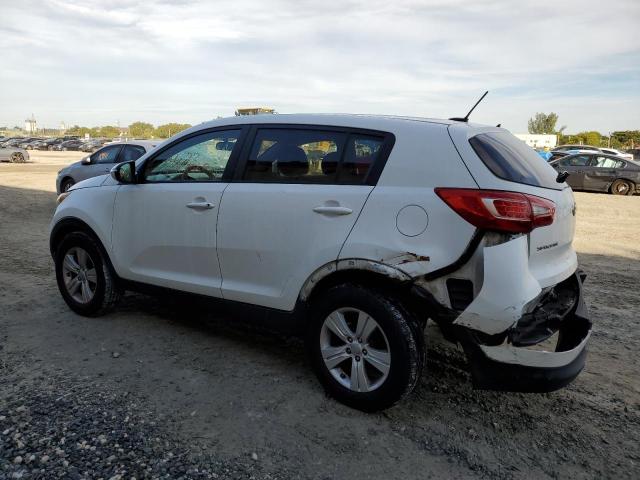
x: 422, y: 159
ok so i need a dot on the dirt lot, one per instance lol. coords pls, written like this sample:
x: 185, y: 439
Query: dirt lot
x: 162, y: 389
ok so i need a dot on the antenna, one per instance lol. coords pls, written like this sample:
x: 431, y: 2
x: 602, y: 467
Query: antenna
x: 466, y: 117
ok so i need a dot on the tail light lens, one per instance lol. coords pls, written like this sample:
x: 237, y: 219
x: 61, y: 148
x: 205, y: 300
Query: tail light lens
x: 500, y: 211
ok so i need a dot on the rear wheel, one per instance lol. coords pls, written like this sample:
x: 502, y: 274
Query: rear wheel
x: 365, y: 347
x: 84, y: 277
x: 622, y: 187
x: 17, y: 157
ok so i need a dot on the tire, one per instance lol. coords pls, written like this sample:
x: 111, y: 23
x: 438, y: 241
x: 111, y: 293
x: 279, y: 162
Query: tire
x: 102, y: 282
x: 17, y: 157
x: 622, y: 187
x: 66, y: 184
x: 394, y: 325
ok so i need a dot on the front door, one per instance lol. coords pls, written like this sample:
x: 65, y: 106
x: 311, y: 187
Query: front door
x: 575, y: 166
x: 100, y: 162
x: 165, y: 226
x: 290, y: 210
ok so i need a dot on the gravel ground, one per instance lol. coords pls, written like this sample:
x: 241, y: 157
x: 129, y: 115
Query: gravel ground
x: 166, y: 388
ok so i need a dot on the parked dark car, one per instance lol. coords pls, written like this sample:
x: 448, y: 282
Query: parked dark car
x: 26, y: 141
x: 93, y: 144
x: 600, y: 173
x: 30, y: 144
x: 635, y: 152
x: 51, y: 144
x: 48, y: 143
x: 12, y: 142
x: 68, y: 145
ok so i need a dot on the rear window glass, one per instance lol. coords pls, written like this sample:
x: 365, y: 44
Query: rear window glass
x: 511, y: 159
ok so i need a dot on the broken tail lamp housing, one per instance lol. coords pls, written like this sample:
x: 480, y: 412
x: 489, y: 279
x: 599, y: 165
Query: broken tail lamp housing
x: 499, y: 211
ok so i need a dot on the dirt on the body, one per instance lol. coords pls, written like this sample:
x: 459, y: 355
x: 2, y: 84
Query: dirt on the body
x: 163, y: 388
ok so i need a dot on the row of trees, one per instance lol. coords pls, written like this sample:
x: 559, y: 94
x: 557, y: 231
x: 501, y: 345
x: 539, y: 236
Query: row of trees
x: 545, y: 123
x: 136, y: 130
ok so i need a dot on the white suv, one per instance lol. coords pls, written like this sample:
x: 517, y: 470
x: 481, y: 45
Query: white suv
x: 355, y: 229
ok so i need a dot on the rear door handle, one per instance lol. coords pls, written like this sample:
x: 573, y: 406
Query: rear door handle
x: 325, y: 210
x: 200, y: 205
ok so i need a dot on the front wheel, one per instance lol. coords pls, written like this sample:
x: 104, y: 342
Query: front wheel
x: 84, y: 277
x: 66, y: 185
x: 17, y: 157
x: 365, y: 347
x: 622, y: 187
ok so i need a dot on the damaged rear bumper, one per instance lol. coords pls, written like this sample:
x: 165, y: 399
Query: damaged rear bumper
x: 544, y: 351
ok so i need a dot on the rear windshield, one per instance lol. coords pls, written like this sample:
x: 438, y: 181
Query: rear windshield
x: 511, y: 159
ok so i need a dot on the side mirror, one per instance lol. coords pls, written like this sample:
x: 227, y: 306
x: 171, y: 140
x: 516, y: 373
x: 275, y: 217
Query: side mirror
x: 124, y: 172
x: 86, y: 160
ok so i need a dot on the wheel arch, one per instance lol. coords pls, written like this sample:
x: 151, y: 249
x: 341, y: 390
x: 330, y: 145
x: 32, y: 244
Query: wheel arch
x: 356, y: 270
x: 65, y: 178
x: 74, y: 224
x: 634, y: 183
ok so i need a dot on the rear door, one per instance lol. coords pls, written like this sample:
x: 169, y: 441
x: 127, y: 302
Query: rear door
x: 296, y: 197
x: 603, y: 170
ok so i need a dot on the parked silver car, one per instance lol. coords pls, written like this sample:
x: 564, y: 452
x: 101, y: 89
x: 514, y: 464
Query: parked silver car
x: 101, y: 162
x: 13, y: 154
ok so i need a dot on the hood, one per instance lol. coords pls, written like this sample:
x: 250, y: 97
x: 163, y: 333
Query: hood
x: 71, y: 165
x: 91, y: 182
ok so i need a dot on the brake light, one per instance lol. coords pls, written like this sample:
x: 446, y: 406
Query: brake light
x: 500, y: 211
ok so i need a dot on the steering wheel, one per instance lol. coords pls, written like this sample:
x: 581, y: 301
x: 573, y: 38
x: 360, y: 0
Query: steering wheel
x: 196, y: 169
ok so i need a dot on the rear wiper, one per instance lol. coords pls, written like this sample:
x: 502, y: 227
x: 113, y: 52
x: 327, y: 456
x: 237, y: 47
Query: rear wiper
x: 562, y: 176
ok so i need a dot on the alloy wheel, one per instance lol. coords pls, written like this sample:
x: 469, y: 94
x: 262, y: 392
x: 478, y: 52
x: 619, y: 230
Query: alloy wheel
x: 622, y: 188
x: 355, y: 350
x: 79, y: 274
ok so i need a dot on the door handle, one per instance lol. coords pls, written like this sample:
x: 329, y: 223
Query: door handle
x: 325, y: 210
x: 200, y: 205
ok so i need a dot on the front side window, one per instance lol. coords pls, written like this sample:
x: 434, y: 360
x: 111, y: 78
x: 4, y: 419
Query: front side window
x: 106, y: 155
x: 199, y: 158
x: 294, y: 156
x: 577, y: 161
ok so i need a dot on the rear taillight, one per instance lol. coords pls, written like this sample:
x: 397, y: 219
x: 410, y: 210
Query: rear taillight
x: 500, y: 211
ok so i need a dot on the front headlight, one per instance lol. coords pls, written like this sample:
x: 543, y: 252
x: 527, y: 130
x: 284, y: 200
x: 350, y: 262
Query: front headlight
x: 61, y: 197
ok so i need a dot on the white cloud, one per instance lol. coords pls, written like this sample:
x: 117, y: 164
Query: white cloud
x: 91, y: 63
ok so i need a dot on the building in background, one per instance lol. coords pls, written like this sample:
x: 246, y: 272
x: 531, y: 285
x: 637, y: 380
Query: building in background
x: 30, y: 125
x: 253, y: 111
x: 538, y: 141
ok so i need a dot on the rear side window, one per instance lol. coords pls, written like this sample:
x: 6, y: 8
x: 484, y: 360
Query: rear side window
x: 294, y: 156
x: 131, y: 152
x: 513, y: 160
x: 608, y: 162
x: 575, y: 161
x: 290, y: 155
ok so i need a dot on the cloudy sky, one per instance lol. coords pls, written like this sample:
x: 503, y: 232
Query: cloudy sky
x: 99, y: 62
